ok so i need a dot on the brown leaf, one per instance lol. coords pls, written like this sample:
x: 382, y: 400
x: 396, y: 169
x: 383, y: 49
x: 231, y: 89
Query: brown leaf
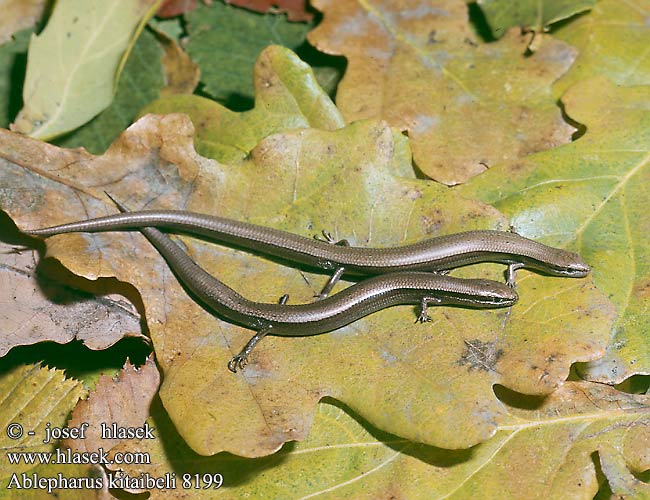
x: 181, y: 73
x: 123, y: 401
x: 32, y: 312
x: 465, y: 105
x: 173, y: 8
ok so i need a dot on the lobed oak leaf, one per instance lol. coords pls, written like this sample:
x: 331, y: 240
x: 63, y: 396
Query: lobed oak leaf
x: 465, y: 105
x: 36, y: 308
x: 287, y: 97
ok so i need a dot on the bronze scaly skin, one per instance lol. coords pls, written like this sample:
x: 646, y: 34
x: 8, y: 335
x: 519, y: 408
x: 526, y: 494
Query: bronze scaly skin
x: 347, y: 306
x: 436, y: 254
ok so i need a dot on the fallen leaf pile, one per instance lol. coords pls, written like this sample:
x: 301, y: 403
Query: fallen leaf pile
x: 440, y: 124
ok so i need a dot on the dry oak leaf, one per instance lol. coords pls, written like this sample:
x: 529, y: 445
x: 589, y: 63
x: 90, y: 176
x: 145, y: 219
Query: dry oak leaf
x: 182, y: 75
x: 123, y: 401
x: 466, y: 106
x: 32, y: 312
x: 552, y: 448
x: 436, y: 379
x: 592, y: 196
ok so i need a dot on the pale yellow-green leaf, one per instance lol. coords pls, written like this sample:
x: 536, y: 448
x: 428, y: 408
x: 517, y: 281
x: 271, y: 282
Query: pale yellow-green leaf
x: 544, y: 449
x: 33, y: 399
x: 73, y: 65
x: 613, y: 40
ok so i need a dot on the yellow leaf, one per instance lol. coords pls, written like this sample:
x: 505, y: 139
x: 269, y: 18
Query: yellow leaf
x: 592, y: 196
x: 34, y: 400
x: 612, y: 41
x: 465, y: 105
x: 287, y: 96
x: 543, y: 449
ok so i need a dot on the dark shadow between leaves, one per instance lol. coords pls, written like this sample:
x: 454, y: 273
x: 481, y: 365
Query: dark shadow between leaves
x: 604, y: 491
x: 580, y: 128
x: 17, y: 78
x: 234, y: 101
x: 75, y: 358
x: 61, y: 287
x: 432, y: 455
x: 238, y: 470
x: 636, y: 384
x: 516, y: 399
x: 481, y: 26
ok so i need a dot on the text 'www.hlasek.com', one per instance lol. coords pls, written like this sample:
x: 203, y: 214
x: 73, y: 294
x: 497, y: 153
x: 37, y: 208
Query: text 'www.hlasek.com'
x: 27, y: 458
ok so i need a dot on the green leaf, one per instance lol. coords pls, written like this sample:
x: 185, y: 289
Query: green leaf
x: 33, y: 399
x: 534, y: 15
x: 288, y: 97
x: 225, y: 41
x: 173, y: 28
x: 549, y: 448
x: 592, y: 196
x: 74, y: 64
x: 612, y: 41
x: 139, y: 84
